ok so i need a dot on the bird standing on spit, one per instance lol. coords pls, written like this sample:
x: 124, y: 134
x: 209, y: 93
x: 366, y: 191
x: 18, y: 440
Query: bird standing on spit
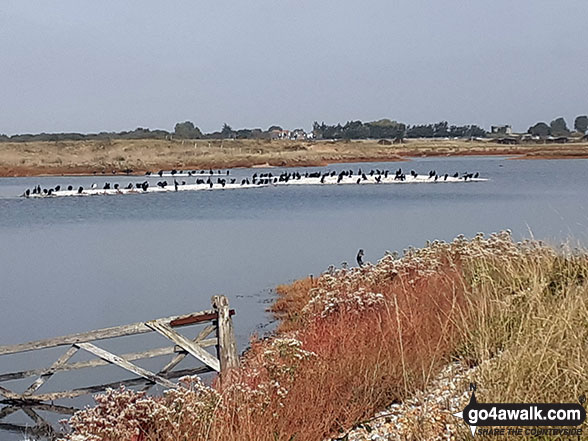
x: 359, y: 257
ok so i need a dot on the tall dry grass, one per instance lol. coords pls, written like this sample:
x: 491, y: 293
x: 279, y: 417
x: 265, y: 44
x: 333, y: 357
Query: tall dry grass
x: 352, y: 341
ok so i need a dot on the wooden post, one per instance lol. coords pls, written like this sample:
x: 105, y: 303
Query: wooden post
x: 227, y: 346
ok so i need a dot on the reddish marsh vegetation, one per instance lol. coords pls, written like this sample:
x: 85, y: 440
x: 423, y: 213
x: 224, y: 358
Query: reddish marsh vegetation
x: 354, y: 340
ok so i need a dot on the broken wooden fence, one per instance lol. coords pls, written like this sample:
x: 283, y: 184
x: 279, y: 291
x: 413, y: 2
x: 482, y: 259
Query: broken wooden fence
x: 220, y: 325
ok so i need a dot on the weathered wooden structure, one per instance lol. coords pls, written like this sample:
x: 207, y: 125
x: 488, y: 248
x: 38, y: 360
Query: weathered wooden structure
x: 217, y: 331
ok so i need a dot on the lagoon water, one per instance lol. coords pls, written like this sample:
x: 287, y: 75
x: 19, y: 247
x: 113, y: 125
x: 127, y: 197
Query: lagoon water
x: 75, y: 264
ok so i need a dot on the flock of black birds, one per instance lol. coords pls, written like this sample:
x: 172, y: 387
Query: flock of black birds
x: 260, y: 179
x: 188, y: 173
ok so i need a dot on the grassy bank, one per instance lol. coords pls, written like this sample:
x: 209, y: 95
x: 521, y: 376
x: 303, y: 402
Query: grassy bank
x: 87, y: 157
x: 355, y: 340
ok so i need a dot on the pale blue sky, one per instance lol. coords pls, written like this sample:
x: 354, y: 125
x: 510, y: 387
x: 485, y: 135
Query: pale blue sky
x: 114, y: 65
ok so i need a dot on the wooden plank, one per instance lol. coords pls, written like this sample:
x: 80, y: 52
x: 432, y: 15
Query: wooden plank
x: 227, y: 346
x: 48, y: 373
x: 34, y: 416
x: 179, y: 357
x: 158, y: 352
x: 191, y: 320
x: 117, y: 360
x: 8, y: 410
x: 198, y: 340
x: 41, y: 424
x: 51, y: 396
x: 100, y: 334
x: 36, y: 431
x: 192, y: 348
x: 9, y: 394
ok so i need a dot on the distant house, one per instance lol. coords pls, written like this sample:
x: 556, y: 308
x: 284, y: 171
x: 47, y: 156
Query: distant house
x: 501, y: 130
x: 279, y: 134
x: 298, y: 134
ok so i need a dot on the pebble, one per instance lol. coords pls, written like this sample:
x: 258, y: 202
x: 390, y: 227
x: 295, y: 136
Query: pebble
x: 428, y: 414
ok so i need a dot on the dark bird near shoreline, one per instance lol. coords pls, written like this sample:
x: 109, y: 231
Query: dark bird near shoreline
x: 359, y: 257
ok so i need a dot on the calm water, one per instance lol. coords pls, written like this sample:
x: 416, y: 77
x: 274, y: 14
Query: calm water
x: 75, y: 264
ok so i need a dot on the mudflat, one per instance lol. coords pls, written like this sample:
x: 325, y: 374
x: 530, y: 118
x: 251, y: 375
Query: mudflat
x: 139, y: 156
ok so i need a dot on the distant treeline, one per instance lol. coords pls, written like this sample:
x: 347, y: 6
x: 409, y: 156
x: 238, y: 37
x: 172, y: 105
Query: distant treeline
x: 383, y: 128
x: 559, y: 127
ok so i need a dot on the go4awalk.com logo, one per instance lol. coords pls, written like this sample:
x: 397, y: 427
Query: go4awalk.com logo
x: 535, y: 419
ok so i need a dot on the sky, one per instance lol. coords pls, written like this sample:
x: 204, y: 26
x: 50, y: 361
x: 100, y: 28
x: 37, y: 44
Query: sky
x: 90, y: 66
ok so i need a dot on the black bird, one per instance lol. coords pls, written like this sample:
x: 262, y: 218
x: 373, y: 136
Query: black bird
x: 27, y: 193
x: 116, y: 186
x: 160, y: 173
x: 456, y: 174
x: 130, y: 186
x: 175, y: 185
x: 69, y: 188
x: 359, y: 257
x: 57, y: 187
x: 80, y: 190
x: 145, y: 186
x: 476, y: 175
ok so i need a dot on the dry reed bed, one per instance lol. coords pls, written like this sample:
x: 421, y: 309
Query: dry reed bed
x: 354, y: 340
